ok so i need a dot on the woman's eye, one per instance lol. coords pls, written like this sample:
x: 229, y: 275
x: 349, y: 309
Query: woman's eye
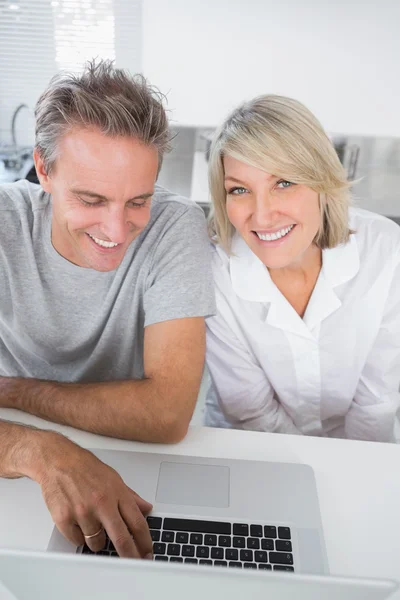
x: 284, y: 184
x: 237, y: 191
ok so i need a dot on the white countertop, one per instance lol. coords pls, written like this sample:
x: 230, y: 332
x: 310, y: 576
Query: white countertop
x: 358, y: 486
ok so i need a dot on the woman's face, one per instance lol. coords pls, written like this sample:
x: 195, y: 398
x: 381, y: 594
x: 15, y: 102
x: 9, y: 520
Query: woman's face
x: 276, y: 218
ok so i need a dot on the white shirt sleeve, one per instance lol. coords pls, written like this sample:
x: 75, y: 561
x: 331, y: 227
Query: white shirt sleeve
x: 377, y: 398
x: 245, y: 396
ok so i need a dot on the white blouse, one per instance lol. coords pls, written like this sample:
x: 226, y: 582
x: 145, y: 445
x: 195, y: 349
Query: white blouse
x: 336, y: 372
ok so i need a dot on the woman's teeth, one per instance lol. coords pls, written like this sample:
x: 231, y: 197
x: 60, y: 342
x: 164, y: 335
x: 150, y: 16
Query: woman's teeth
x: 269, y: 237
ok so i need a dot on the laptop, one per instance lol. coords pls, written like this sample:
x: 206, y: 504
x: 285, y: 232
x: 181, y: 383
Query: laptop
x: 44, y: 576
x: 249, y: 515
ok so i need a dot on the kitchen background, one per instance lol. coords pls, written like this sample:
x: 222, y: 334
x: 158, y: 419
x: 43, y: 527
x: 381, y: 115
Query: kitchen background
x: 340, y: 58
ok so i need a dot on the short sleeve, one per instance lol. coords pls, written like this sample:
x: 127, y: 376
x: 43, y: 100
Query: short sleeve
x: 180, y: 282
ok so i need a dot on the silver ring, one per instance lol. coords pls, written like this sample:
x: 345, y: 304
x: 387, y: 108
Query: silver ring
x: 89, y: 537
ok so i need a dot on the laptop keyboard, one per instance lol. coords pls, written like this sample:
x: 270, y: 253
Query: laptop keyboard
x: 217, y: 543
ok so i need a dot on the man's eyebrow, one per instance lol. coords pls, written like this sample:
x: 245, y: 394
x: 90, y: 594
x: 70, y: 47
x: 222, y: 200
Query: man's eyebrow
x: 90, y: 194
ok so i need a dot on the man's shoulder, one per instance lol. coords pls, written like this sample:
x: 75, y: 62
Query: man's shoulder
x: 173, y: 204
x: 22, y: 197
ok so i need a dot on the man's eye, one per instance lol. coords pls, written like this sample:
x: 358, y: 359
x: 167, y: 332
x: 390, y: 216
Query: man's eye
x: 137, y: 204
x: 237, y: 191
x: 85, y: 203
x: 284, y: 184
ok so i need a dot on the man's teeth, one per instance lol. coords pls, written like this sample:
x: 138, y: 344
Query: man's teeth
x: 103, y: 243
x: 268, y: 237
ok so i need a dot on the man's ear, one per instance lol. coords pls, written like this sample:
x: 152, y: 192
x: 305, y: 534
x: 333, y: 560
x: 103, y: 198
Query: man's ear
x: 41, y: 172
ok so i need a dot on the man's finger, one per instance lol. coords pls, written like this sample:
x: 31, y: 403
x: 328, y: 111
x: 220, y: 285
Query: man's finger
x: 93, y: 532
x: 120, y: 536
x: 144, y: 506
x: 137, y: 525
x: 72, y: 532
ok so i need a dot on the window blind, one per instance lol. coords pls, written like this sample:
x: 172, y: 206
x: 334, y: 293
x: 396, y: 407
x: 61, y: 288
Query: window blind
x: 40, y: 37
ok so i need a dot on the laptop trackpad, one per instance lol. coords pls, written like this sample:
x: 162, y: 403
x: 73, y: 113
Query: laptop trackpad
x: 193, y: 485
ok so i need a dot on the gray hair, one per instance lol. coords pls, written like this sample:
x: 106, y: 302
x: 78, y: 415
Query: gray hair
x: 105, y: 97
x: 282, y: 137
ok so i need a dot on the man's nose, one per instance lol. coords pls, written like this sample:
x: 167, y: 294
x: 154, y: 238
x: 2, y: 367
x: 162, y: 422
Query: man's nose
x: 116, y: 225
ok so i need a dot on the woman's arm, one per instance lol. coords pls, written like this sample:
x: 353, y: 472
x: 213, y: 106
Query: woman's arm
x: 245, y: 395
x: 377, y: 398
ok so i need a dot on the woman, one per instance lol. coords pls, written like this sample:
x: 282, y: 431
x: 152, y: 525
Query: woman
x: 306, y: 339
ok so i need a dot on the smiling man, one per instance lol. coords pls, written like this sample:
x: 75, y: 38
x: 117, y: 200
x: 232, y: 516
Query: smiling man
x: 104, y: 285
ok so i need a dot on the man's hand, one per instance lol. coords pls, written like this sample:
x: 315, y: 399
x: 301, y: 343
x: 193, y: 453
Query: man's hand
x: 84, y: 495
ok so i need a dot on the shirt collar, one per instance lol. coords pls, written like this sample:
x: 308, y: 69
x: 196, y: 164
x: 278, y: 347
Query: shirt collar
x: 251, y: 281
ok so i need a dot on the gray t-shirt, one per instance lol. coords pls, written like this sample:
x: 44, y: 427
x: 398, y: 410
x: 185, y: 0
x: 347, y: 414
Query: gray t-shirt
x: 67, y: 323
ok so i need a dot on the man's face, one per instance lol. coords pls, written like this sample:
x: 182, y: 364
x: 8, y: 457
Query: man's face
x: 101, y: 191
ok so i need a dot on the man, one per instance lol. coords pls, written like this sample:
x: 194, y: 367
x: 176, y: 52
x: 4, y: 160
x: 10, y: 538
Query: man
x: 104, y: 286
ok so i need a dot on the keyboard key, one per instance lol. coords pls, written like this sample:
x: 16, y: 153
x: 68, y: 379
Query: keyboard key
x: 154, y: 522
x: 188, y: 551
x: 239, y: 542
x: 256, y: 531
x: 177, y: 559
x: 284, y: 533
x: 164, y: 558
x: 283, y: 545
x: 248, y: 565
x: 263, y: 567
x: 110, y: 546
x: 205, y: 562
x: 260, y: 556
x: 220, y: 563
x: 87, y: 550
x: 225, y: 541
x: 269, y: 532
x: 246, y: 555
x: 240, y: 529
x: 253, y: 543
x: 267, y: 544
x: 196, y: 538
x: 173, y: 550
x: 168, y: 536
x: 236, y: 565
x: 103, y: 553
x: 210, y: 540
x: 155, y: 535
x: 114, y: 554
x: 203, y: 552
x: 218, y: 527
x: 283, y: 568
x: 281, y: 558
x: 159, y: 548
x: 191, y: 561
x: 217, y: 553
x: 182, y: 538
x: 231, y: 554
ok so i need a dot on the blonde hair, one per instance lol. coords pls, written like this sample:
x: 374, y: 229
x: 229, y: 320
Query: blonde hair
x: 281, y: 136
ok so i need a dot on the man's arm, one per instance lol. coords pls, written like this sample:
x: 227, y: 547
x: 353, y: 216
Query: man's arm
x: 155, y: 409
x: 83, y: 495
x: 19, y: 450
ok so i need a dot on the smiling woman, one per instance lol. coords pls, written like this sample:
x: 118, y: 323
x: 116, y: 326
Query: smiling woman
x: 298, y: 274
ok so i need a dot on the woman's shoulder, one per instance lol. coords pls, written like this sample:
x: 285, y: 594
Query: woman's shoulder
x: 219, y: 257
x: 374, y: 232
